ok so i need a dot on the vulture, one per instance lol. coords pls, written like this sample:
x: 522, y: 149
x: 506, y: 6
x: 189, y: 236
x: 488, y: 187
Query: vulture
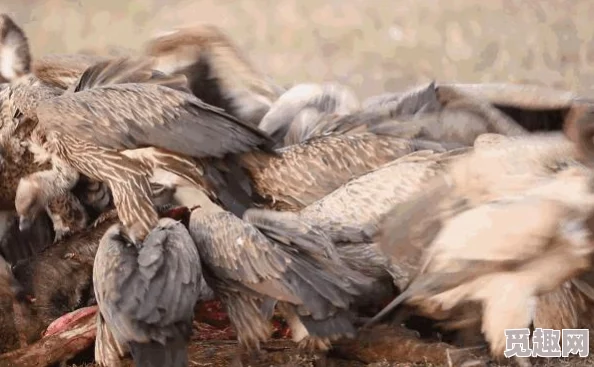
x: 148, y: 113
x: 456, y: 114
x: 427, y: 112
x: 303, y: 173
x: 56, y: 275
x: 351, y: 215
x: 534, y: 107
x: 94, y: 128
x: 270, y: 259
x: 19, y: 138
x: 217, y: 71
x: 146, y: 295
x: 189, y: 50
x: 505, y: 273
x: 295, y: 114
x: 539, y: 176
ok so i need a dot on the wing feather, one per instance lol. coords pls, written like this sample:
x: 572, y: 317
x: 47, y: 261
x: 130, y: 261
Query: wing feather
x: 130, y: 116
x: 237, y: 251
x: 148, y: 294
x: 126, y: 70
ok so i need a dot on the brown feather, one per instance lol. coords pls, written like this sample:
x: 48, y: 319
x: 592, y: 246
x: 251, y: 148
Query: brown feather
x: 304, y: 173
x: 528, y: 171
x: 63, y: 70
x: 218, y: 73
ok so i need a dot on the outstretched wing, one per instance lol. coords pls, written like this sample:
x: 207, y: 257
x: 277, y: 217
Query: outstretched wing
x: 123, y: 104
x: 148, y: 294
x: 126, y: 70
x: 234, y: 250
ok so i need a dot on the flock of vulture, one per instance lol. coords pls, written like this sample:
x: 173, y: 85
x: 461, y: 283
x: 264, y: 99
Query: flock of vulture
x: 469, y: 207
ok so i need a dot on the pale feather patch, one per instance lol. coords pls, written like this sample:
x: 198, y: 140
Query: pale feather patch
x: 174, y: 62
x: 40, y: 154
x: 8, y: 57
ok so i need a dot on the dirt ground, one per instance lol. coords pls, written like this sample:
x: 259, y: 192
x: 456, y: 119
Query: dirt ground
x: 214, y: 344
x: 373, y: 46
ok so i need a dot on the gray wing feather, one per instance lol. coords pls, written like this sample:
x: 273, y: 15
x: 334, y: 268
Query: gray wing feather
x: 287, y: 228
x: 130, y: 116
x: 236, y: 251
x: 148, y: 294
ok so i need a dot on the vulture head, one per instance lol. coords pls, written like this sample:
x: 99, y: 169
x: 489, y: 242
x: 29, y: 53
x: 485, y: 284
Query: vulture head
x: 29, y: 201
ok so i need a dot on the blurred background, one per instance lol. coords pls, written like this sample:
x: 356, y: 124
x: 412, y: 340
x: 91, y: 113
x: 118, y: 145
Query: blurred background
x: 374, y: 46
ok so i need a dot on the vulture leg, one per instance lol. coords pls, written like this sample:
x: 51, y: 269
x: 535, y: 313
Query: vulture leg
x: 108, y: 352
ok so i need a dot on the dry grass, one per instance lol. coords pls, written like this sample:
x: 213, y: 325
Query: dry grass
x: 372, y: 46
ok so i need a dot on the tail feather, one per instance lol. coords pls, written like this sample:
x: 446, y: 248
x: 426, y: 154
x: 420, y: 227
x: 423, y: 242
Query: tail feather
x: 153, y: 354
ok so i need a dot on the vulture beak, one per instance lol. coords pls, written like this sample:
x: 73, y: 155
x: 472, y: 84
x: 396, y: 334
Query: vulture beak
x: 24, y: 223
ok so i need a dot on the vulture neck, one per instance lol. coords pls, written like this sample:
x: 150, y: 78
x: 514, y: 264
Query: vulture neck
x: 55, y: 182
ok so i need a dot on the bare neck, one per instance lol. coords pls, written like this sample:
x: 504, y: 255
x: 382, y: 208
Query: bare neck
x: 55, y: 182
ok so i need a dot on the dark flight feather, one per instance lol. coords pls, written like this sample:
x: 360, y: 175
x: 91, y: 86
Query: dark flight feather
x: 148, y: 115
x: 147, y: 294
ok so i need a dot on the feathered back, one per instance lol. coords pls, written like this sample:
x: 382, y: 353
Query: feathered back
x: 218, y: 72
x: 297, y: 112
x: 126, y: 70
x: 15, y: 56
x: 63, y: 70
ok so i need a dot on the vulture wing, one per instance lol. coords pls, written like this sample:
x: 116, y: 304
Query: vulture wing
x: 130, y: 116
x: 235, y: 250
x: 148, y: 295
x: 123, y: 104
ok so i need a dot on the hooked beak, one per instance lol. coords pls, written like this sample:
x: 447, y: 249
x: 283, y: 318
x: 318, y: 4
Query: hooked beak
x: 24, y: 223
